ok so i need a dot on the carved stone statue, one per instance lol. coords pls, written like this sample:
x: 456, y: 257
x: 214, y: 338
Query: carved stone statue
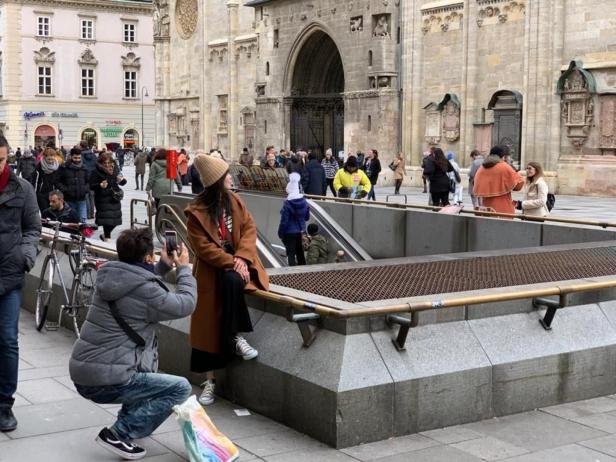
x: 382, y: 27
x: 357, y: 24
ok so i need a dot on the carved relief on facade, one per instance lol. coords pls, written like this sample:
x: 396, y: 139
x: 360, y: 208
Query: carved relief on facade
x: 357, y: 24
x: 576, y: 88
x: 44, y: 56
x: 186, y: 16
x: 500, y: 11
x: 87, y: 58
x: 161, y: 19
x: 608, y: 123
x: 381, y: 80
x: 451, y: 121
x: 432, y: 133
x: 442, y: 18
x: 218, y: 53
x: 131, y: 60
x: 381, y: 25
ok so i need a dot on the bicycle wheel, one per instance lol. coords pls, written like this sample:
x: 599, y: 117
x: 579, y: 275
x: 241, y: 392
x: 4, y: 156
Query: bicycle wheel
x: 82, y: 294
x: 43, y: 294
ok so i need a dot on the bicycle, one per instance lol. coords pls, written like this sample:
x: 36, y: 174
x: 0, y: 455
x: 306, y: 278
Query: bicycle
x: 84, y: 269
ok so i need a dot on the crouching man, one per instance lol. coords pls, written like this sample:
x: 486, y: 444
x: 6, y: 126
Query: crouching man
x: 116, y: 359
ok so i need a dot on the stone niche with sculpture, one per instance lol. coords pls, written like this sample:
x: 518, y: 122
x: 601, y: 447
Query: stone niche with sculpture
x: 577, y: 89
x: 607, y: 123
x: 443, y: 120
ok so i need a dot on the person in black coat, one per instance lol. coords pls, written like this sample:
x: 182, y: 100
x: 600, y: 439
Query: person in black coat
x: 45, y: 178
x: 436, y: 168
x: 314, y: 181
x: 195, y: 180
x: 372, y: 167
x: 105, y: 181
x: 73, y: 182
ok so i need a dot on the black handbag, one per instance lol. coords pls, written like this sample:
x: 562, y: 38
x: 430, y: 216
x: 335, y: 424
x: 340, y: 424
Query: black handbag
x: 391, y: 166
x: 117, y: 194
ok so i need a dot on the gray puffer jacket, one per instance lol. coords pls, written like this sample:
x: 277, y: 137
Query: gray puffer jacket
x: 105, y: 354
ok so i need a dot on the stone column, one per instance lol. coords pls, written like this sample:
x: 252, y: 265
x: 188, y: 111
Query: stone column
x: 557, y: 60
x: 233, y: 118
x: 469, y: 79
x: 205, y: 105
x: 416, y: 45
x: 407, y: 24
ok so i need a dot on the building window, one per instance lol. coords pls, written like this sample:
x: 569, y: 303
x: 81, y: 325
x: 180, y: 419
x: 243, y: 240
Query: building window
x: 369, y: 123
x: 129, y: 32
x: 44, y: 80
x: 43, y: 26
x: 87, y: 29
x: 87, y: 82
x: 369, y: 57
x: 222, y: 113
x: 276, y: 38
x: 267, y: 69
x: 130, y: 84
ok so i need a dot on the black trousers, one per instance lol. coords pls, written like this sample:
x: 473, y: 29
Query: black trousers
x: 137, y: 175
x: 330, y: 184
x: 107, y: 229
x: 440, y: 198
x: 295, y: 249
x: 235, y: 319
x: 398, y: 184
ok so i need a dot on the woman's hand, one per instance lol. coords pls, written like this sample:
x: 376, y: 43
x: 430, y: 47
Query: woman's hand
x: 104, y: 184
x: 181, y: 257
x: 240, y: 267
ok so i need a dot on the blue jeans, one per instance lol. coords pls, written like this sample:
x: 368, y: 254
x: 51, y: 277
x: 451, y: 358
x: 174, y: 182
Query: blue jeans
x: 371, y: 194
x: 81, y: 208
x: 147, y: 400
x: 9, y: 350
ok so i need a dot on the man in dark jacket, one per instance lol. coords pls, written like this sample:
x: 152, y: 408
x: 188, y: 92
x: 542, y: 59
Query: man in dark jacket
x: 26, y: 166
x: 20, y: 230
x: 314, y: 181
x: 88, y: 157
x: 195, y: 180
x: 116, y: 358
x: 59, y: 210
x: 372, y: 167
x: 73, y: 181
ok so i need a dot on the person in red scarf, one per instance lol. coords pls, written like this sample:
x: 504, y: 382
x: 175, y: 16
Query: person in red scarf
x: 20, y: 231
x: 495, y: 180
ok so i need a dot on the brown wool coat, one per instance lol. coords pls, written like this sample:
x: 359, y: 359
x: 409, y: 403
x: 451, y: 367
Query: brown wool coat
x: 210, y: 260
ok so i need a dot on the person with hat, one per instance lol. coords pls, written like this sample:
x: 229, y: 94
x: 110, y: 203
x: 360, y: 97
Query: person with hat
x: 317, y: 252
x: 223, y: 236
x: 293, y: 217
x: 351, y: 182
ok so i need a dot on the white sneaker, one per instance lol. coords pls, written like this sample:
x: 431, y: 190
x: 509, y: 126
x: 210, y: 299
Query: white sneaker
x: 207, y: 395
x: 243, y: 348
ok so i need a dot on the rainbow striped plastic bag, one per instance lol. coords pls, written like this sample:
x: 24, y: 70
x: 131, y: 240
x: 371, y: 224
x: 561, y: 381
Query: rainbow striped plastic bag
x: 203, y: 441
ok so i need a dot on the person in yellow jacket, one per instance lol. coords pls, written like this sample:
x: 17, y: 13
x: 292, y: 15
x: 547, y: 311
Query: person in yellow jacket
x: 351, y: 182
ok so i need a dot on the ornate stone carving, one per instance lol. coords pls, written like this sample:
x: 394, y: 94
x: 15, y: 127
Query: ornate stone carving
x: 186, y: 16
x: 432, y: 132
x: 260, y: 89
x: 44, y: 56
x: 608, y: 123
x: 131, y: 60
x: 451, y: 121
x: 491, y: 13
x: 87, y: 58
x: 381, y: 25
x: 442, y: 18
x: 357, y: 24
x: 576, y: 88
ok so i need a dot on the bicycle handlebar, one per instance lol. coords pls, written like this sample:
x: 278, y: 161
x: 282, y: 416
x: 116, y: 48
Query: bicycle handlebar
x: 59, y: 224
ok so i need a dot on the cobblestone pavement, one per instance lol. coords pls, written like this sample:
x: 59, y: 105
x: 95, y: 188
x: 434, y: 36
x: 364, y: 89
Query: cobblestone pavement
x: 57, y: 425
x: 579, y: 207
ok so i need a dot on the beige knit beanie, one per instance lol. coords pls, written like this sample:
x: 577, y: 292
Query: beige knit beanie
x: 210, y: 169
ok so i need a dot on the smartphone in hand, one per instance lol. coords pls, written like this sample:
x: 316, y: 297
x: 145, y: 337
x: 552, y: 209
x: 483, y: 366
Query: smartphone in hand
x: 171, y: 242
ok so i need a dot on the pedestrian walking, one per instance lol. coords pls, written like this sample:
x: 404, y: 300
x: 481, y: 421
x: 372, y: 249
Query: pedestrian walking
x: 158, y: 183
x: 535, y: 192
x: 372, y: 167
x: 73, y: 181
x: 437, y: 170
x: 477, y: 160
x: 26, y: 165
x: 331, y: 167
x: 317, y: 252
x: 293, y: 217
x: 316, y: 183
x: 115, y: 360
x: 399, y: 172
x: 456, y: 178
x: 141, y: 159
x: 183, y: 159
x: 45, y: 178
x: 88, y: 157
x: 223, y: 234
x: 20, y: 231
x: 106, y: 182
x: 120, y: 157
x: 496, y: 179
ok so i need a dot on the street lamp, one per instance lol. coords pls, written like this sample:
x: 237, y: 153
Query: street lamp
x: 143, y: 89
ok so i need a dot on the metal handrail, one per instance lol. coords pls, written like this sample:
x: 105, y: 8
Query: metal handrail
x: 133, y: 220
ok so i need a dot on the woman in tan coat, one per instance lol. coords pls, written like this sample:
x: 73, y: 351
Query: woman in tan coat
x: 398, y: 171
x: 535, y: 192
x: 223, y: 236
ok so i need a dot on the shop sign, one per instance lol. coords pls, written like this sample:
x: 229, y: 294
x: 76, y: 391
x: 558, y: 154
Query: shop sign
x: 113, y: 122
x: 32, y: 115
x: 111, y: 132
x: 68, y: 115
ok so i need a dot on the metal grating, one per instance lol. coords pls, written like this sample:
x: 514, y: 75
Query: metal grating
x: 416, y: 279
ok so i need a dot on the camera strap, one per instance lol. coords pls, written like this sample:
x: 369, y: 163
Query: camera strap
x: 134, y: 336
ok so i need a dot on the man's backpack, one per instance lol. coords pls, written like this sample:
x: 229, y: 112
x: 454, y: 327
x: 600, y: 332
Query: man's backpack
x: 550, y: 202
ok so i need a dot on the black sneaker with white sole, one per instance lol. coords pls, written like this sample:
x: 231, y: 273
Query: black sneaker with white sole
x: 127, y: 451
